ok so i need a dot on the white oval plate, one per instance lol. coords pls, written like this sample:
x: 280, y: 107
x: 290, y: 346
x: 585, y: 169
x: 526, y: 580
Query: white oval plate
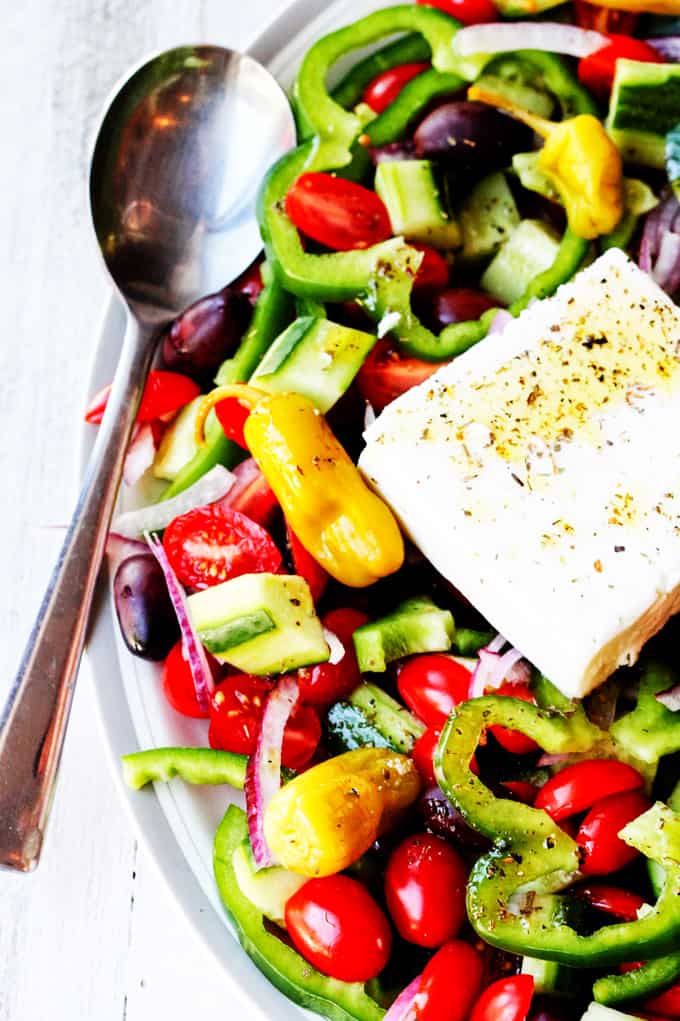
x: 177, y: 822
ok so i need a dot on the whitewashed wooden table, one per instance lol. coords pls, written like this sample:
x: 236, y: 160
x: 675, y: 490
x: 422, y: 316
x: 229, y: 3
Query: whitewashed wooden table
x: 92, y: 934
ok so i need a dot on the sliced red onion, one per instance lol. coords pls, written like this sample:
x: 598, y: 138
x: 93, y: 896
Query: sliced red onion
x: 369, y: 415
x: 497, y: 643
x: 140, y: 454
x: 119, y: 547
x: 659, y: 247
x: 500, y: 321
x: 263, y: 773
x: 666, y: 46
x: 213, y: 486
x: 670, y: 698
x: 194, y: 653
x: 479, y: 681
x: 335, y: 645
x: 403, y: 1008
x: 550, y: 36
x: 494, y: 670
x: 556, y: 759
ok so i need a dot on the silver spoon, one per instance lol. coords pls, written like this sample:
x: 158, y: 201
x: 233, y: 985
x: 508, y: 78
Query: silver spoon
x: 181, y: 150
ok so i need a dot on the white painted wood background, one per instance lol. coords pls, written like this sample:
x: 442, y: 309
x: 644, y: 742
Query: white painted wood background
x: 92, y: 935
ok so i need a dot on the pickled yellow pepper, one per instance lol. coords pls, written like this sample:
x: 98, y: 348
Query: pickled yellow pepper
x: 581, y: 161
x: 329, y: 507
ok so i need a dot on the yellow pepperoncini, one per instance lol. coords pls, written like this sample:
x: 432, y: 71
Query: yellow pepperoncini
x: 581, y: 161
x: 329, y: 507
x: 642, y: 6
x: 326, y: 818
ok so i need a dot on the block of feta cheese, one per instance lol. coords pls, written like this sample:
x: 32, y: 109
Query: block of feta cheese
x: 540, y: 473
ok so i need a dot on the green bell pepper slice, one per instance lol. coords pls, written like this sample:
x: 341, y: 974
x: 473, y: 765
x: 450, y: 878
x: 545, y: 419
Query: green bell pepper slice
x: 514, y: 897
x: 651, y: 978
x: 283, y: 966
x: 194, y: 765
x: 410, y: 49
x: 650, y: 730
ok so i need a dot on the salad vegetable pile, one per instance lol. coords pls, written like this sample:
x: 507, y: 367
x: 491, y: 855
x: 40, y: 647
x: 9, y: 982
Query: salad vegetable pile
x: 433, y: 831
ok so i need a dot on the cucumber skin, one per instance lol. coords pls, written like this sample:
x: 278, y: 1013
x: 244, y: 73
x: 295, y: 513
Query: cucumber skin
x: 649, y: 95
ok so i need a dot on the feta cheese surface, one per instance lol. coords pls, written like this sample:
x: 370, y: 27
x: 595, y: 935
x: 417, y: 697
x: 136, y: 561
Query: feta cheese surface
x: 540, y: 472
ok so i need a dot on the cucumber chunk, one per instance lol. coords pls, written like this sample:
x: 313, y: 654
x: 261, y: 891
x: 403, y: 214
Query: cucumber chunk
x: 260, y: 623
x: 417, y: 625
x: 643, y: 108
x: 550, y: 977
x: 532, y: 249
x: 598, y: 1012
x: 416, y: 210
x: 315, y: 358
x: 267, y: 889
x: 178, y: 445
x: 488, y: 217
x: 373, y: 719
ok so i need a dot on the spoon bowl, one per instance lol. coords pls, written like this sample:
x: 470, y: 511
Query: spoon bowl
x: 177, y: 162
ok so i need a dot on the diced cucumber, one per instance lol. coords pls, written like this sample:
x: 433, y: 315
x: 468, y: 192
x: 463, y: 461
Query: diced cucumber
x: 315, y: 358
x: 672, y: 156
x: 267, y: 889
x: 417, y: 625
x: 598, y: 1012
x: 643, y: 108
x: 487, y: 217
x: 410, y: 193
x: 519, y: 93
x: 260, y: 623
x: 372, y: 718
x: 531, y: 177
x: 178, y: 445
x: 550, y: 977
x: 532, y: 248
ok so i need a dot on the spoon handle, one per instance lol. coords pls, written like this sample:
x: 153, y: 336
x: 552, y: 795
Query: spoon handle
x: 33, y: 722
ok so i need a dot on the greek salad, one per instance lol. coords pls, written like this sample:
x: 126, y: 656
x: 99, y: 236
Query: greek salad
x: 416, y: 563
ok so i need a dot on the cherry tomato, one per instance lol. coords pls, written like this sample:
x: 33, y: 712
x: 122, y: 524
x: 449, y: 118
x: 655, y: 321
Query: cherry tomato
x: 164, y: 394
x: 235, y: 713
x: 423, y: 752
x: 604, y: 19
x: 612, y: 900
x: 178, y: 684
x: 432, y: 685
x: 508, y: 999
x: 597, y: 71
x: 339, y: 214
x: 385, y: 375
x: 577, y: 787
x: 512, y: 740
x: 603, y: 850
x: 306, y: 566
x: 210, y: 545
x: 666, y: 1003
x: 433, y: 272
x: 470, y: 12
x: 251, y: 494
x: 328, y: 682
x: 425, y: 890
x: 337, y: 926
x: 232, y: 415
x: 250, y: 282
x: 385, y: 88
x: 455, y: 962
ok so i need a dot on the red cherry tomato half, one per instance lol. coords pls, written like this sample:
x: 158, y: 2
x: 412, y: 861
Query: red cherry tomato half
x: 385, y: 88
x: 507, y: 999
x: 306, y: 566
x: 210, y: 545
x: 336, y: 925
x: 385, y: 375
x: 164, y: 394
x: 470, y: 12
x: 339, y: 214
x: 612, y: 900
x: 423, y: 754
x: 603, y: 851
x: 235, y: 713
x: 328, y: 682
x: 576, y: 788
x: 425, y: 890
x: 603, y: 19
x: 666, y: 1003
x: 432, y: 685
x: 178, y: 684
x: 433, y: 272
x: 456, y: 962
x: 512, y: 740
x: 232, y: 415
x: 597, y: 71
x: 251, y: 494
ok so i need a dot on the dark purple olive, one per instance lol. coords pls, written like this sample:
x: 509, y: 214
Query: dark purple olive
x: 145, y: 613
x: 456, y: 305
x: 405, y: 150
x: 441, y: 818
x: 471, y: 138
x: 206, y: 333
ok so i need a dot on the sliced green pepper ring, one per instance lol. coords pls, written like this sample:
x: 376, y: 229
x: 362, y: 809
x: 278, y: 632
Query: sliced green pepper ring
x: 515, y: 897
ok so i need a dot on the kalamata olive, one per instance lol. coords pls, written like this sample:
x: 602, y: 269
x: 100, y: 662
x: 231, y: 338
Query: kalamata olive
x: 145, y: 613
x: 206, y: 333
x: 442, y: 819
x: 457, y: 305
x: 471, y: 138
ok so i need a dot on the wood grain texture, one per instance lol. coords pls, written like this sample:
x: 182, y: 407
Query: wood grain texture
x: 92, y: 934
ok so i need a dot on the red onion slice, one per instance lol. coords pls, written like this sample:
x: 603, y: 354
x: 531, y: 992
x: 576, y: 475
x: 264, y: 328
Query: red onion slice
x: 550, y: 36
x: 140, y: 454
x: 194, y: 653
x: 119, y: 547
x: 557, y: 759
x: 494, y: 669
x: 335, y: 645
x: 263, y: 773
x: 486, y: 665
x: 659, y: 253
x: 211, y: 487
x: 666, y: 46
x: 500, y: 321
x: 670, y: 698
x: 403, y: 1008
x: 497, y: 643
